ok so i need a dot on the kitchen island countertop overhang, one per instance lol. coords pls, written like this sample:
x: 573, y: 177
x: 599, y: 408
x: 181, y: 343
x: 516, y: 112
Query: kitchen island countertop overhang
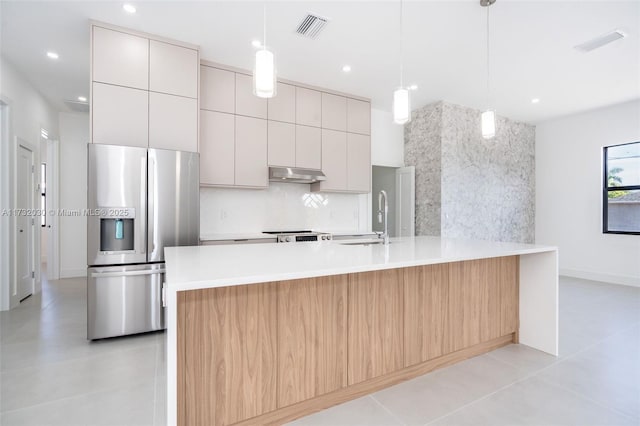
x: 213, y: 268
x: 197, y: 267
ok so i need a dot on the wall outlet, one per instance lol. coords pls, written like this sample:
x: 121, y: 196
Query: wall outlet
x: 223, y: 214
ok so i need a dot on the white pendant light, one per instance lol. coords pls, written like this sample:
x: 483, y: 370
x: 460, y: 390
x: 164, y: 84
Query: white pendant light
x: 401, y: 106
x: 488, y: 118
x: 401, y: 98
x: 264, y: 71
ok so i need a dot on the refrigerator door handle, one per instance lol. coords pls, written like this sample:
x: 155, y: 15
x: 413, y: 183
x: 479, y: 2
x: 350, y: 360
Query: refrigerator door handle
x: 142, y: 220
x: 151, y: 196
x: 127, y: 273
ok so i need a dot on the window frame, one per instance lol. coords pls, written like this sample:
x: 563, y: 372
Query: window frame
x: 606, y: 189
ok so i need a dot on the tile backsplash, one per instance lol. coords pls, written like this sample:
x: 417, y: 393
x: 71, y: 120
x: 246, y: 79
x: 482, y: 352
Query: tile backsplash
x: 280, y: 207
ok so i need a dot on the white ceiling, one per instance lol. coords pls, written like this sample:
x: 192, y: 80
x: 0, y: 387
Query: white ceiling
x: 532, y: 47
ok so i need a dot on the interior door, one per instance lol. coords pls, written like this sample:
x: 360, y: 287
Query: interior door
x: 405, y: 201
x: 24, y: 223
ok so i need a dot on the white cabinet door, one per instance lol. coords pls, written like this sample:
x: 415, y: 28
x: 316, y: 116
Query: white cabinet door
x: 282, y: 107
x: 334, y: 161
x: 173, y: 69
x: 217, y: 89
x: 334, y: 112
x: 217, y: 148
x: 358, y: 163
x: 308, y: 107
x: 120, y: 58
x: 251, y: 152
x: 173, y: 122
x: 358, y: 116
x: 308, y: 147
x: 247, y: 103
x: 120, y: 115
x: 282, y: 144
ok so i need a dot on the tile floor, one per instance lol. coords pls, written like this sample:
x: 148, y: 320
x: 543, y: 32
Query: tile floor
x: 50, y: 375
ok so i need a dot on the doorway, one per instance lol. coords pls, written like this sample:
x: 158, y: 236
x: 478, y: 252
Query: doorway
x: 25, y: 222
x: 399, y: 184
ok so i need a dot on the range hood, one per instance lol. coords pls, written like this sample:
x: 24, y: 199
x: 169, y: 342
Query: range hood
x: 295, y: 175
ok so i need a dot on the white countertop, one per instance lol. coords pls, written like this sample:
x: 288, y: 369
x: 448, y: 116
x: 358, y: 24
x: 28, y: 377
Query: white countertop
x: 262, y: 235
x: 197, y: 267
x: 229, y: 237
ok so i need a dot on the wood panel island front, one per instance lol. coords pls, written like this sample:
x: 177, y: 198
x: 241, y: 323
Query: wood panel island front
x: 266, y: 333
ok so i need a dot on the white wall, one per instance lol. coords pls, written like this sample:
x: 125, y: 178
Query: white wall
x: 28, y: 112
x: 569, y: 191
x: 387, y: 140
x: 74, y: 136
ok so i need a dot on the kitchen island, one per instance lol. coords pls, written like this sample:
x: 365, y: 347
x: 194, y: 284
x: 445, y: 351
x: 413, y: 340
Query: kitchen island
x: 263, y: 334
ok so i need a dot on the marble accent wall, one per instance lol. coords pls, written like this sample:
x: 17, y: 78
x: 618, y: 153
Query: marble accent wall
x: 485, y: 188
x: 423, y: 149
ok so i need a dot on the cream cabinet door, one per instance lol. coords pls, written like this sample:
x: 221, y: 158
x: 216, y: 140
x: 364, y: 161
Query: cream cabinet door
x: 308, y: 107
x: 282, y: 107
x: 334, y: 160
x: 358, y: 116
x: 282, y: 144
x: 173, y: 122
x: 173, y: 69
x: 217, y: 89
x: 217, y: 148
x: 120, y: 58
x: 251, y: 152
x: 334, y: 112
x: 308, y: 147
x: 247, y: 103
x: 358, y: 163
x: 120, y: 115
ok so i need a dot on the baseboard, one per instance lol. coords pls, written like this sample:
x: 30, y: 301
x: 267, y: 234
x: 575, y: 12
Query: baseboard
x: 73, y: 273
x: 597, y: 276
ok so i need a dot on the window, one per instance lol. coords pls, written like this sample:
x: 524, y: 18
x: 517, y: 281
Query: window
x: 621, y: 189
x: 43, y: 194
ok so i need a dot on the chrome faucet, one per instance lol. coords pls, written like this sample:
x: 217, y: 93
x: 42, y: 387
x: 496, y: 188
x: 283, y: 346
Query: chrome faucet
x: 385, y: 234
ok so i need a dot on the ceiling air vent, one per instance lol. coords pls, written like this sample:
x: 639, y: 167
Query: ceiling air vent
x: 600, y: 41
x: 77, y: 106
x: 311, y: 25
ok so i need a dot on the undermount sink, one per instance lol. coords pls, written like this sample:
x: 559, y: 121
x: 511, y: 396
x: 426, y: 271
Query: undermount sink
x: 363, y: 243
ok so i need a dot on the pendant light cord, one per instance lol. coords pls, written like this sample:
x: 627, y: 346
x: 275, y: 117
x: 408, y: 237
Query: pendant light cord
x: 488, y: 68
x: 401, y: 43
x: 264, y: 26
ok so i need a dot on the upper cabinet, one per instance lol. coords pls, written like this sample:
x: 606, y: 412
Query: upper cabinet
x: 173, y: 69
x: 334, y: 112
x: 217, y: 89
x: 308, y: 107
x: 358, y: 116
x: 247, y: 103
x: 242, y: 135
x: 120, y: 115
x: 173, y: 122
x: 120, y: 58
x: 144, y: 90
x: 282, y: 107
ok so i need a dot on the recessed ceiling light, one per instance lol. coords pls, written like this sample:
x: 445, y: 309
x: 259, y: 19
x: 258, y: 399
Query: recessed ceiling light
x: 256, y: 43
x: 82, y: 99
x: 413, y: 87
x: 52, y: 55
x: 129, y: 8
x: 535, y: 100
x: 346, y: 68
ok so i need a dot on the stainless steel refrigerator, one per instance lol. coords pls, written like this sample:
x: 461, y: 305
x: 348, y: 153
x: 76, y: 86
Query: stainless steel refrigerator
x: 140, y: 201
